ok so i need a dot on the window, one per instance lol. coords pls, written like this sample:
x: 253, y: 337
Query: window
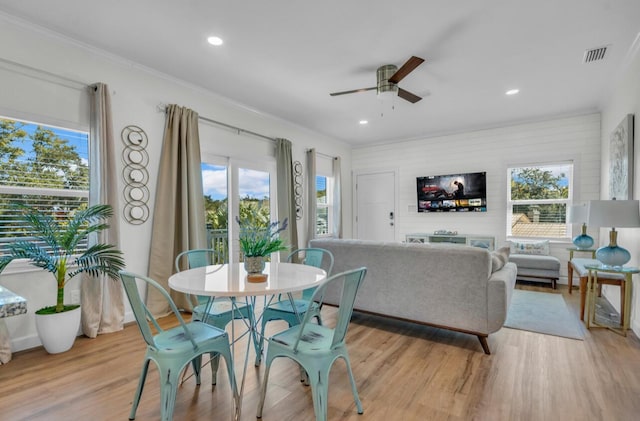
x: 537, y: 200
x: 216, y: 199
x: 324, y: 205
x: 40, y: 166
x: 249, y: 194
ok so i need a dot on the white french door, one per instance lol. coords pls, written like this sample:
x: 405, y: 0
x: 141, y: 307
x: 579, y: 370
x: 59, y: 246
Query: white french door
x: 232, y: 189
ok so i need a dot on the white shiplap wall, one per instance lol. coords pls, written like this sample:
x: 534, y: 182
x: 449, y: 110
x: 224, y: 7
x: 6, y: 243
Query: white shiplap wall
x: 492, y: 150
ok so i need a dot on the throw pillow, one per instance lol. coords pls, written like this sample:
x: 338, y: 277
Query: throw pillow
x: 499, y: 258
x: 540, y: 248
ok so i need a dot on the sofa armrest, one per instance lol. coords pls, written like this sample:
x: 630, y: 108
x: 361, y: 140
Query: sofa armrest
x: 499, y: 291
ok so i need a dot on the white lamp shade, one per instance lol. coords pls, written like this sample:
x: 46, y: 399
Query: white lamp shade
x: 577, y: 214
x: 614, y: 213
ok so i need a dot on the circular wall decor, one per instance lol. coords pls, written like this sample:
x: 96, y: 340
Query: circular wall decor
x: 135, y: 174
x: 297, y: 187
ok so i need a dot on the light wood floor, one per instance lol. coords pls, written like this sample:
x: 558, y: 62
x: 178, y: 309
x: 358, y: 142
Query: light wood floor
x: 403, y: 371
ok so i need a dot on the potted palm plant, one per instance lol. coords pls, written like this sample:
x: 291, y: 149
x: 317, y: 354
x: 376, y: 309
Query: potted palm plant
x: 60, y: 246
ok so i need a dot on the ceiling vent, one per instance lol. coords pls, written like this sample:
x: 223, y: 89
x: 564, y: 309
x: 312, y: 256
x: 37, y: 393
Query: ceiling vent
x: 595, y: 54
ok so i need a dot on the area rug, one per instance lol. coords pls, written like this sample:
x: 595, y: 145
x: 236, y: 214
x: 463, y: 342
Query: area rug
x: 542, y: 312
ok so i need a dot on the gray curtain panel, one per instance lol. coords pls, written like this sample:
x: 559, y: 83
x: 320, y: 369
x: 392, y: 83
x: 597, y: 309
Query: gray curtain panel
x: 179, y: 215
x: 102, y: 298
x: 337, y: 197
x: 286, y: 195
x: 311, y: 194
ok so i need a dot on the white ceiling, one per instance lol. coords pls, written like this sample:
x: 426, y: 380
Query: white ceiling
x: 283, y: 57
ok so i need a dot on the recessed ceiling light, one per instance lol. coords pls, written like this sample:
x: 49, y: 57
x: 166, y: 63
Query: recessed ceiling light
x: 512, y: 91
x: 363, y: 122
x: 215, y: 41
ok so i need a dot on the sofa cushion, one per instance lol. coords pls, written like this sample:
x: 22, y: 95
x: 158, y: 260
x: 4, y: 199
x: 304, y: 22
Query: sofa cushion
x: 540, y: 248
x: 535, y: 262
x: 499, y: 258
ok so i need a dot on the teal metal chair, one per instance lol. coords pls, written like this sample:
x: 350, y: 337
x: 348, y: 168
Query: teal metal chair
x: 173, y: 349
x: 315, y: 347
x: 223, y: 309
x: 282, y: 309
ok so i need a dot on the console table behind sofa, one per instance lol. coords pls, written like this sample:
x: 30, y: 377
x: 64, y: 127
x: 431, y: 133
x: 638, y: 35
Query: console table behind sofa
x: 483, y: 241
x: 447, y: 286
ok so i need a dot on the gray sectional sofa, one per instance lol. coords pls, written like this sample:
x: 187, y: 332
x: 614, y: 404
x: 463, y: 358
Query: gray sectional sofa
x: 448, y: 286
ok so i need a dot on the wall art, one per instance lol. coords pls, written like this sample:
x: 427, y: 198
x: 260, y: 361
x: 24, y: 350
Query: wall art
x: 297, y: 187
x: 136, y: 177
x: 621, y: 160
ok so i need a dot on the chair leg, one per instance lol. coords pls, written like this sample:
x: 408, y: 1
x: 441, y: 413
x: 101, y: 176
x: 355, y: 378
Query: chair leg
x: 168, y: 390
x: 197, y: 364
x: 136, y: 398
x: 215, y: 362
x: 260, y: 342
x: 356, y: 398
x: 263, y: 393
x: 304, y: 377
x: 232, y: 381
x: 320, y: 390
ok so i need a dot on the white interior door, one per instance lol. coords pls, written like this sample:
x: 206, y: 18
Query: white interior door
x: 376, y: 206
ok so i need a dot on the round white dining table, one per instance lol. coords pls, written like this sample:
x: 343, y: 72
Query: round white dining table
x: 230, y: 280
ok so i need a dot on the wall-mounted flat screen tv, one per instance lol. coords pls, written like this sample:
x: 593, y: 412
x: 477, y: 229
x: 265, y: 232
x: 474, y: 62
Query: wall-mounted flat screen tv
x: 453, y: 193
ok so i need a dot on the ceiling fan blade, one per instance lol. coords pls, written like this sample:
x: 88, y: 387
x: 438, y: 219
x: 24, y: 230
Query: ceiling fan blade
x: 406, y: 68
x: 412, y: 98
x: 353, y: 91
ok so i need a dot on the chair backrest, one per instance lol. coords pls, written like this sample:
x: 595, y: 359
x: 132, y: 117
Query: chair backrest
x: 351, y: 281
x: 197, y: 258
x: 316, y: 257
x: 141, y: 311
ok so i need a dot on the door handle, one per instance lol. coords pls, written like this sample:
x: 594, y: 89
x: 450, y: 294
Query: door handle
x: 391, y: 218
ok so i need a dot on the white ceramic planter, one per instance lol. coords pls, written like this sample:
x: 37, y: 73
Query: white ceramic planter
x: 58, y: 331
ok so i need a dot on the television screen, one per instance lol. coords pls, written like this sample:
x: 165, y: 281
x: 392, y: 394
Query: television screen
x: 453, y: 193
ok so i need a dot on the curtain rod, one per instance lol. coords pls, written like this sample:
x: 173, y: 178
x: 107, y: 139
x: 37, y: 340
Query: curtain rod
x: 163, y: 108
x: 42, y: 74
x: 324, y: 154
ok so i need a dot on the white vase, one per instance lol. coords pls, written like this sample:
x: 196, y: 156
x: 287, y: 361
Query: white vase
x: 58, y: 331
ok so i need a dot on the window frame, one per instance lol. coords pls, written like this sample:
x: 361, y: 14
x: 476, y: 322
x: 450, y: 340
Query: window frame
x: 567, y: 202
x: 329, y: 206
x: 24, y: 265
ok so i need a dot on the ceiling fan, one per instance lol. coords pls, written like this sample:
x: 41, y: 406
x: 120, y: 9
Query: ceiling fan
x: 388, y: 78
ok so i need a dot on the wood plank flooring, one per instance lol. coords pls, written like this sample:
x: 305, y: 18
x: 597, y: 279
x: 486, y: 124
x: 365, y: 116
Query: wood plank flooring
x: 404, y: 372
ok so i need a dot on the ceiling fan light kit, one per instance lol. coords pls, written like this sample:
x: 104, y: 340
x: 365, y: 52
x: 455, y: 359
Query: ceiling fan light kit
x: 384, y: 73
x: 388, y: 77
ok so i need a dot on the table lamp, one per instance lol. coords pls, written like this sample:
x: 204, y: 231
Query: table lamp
x: 578, y: 215
x: 613, y: 213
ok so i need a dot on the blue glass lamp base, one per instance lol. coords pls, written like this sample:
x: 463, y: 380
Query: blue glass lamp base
x: 583, y: 242
x: 613, y: 256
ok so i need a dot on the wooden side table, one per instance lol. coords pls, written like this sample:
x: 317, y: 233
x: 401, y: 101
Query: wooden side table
x: 592, y: 286
x: 570, y: 268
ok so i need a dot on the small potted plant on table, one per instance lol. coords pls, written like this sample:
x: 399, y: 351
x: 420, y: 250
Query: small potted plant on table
x: 257, y: 243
